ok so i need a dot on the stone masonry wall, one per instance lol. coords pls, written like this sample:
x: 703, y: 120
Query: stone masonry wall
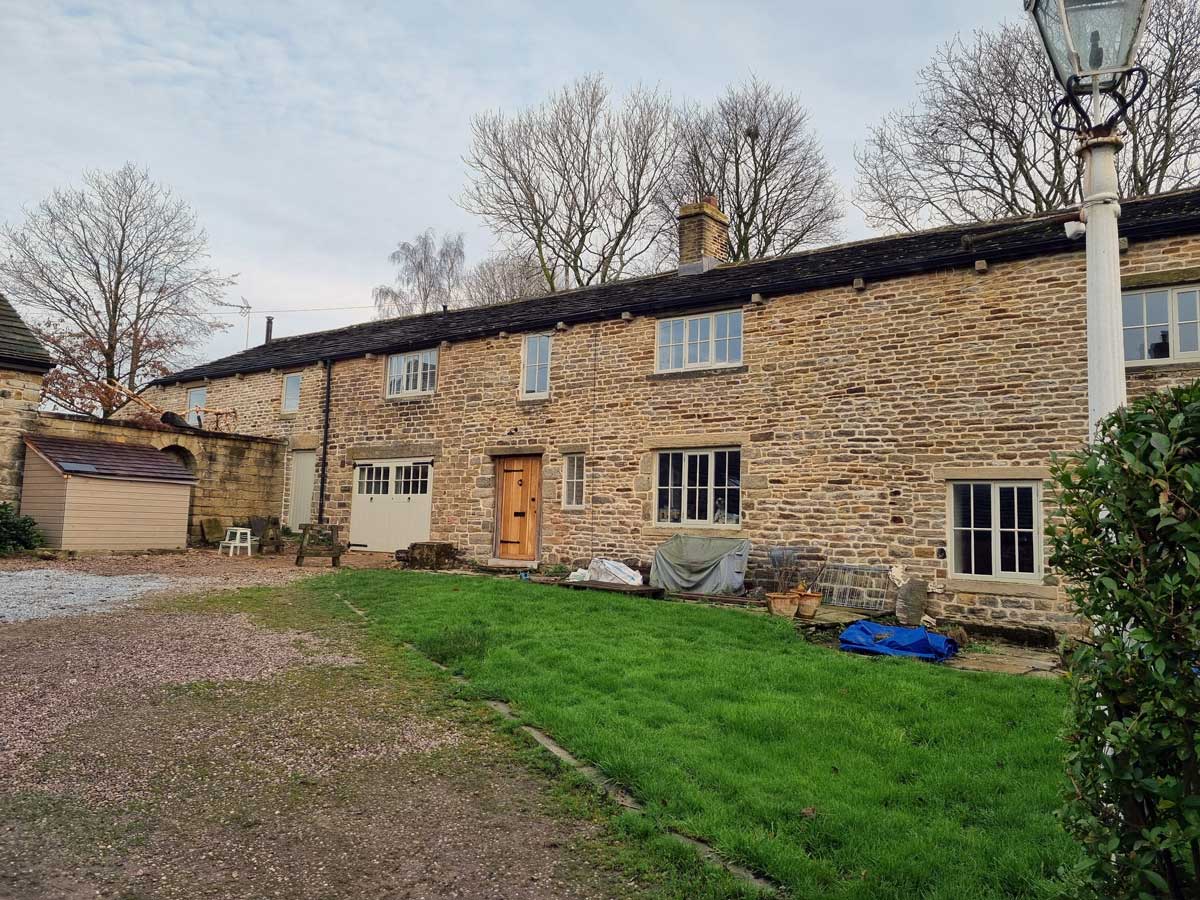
x: 258, y: 399
x: 853, y: 410
x: 239, y: 476
x: 20, y: 393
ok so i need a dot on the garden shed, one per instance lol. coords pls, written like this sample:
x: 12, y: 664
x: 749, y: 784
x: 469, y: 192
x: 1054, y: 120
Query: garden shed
x: 96, y: 495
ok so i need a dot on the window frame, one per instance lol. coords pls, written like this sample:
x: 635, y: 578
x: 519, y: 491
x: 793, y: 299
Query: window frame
x: 710, y: 362
x: 402, y: 374
x: 190, y: 415
x: 710, y: 490
x: 283, y: 407
x: 1038, y: 574
x: 523, y: 393
x: 1172, y: 291
x: 568, y: 481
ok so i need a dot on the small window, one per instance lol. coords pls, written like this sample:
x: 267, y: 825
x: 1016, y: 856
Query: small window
x: 412, y: 374
x: 700, y: 342
x: 699, y: 487
x: 197, y: 398
x: 573, y: 481
x: 412, y: 479
x: 535, y: 374
x: 996, y: 529
x: 373, y: 479
x: 291, y: 392
x: 1161, y: 324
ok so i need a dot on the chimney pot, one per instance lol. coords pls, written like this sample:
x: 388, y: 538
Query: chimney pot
x: 703, y: 236
x: 270, y: 328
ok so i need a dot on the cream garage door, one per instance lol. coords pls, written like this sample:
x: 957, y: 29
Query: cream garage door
x: 391, y: 505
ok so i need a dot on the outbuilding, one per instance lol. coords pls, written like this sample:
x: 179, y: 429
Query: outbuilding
x: 96, y: 495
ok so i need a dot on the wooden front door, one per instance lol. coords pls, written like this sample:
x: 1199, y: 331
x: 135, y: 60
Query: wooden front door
x: 519, y: 491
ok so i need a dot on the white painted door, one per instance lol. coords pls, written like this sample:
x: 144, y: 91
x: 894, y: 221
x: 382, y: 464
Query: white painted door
x: 304, y: 473
x: 392, y: 504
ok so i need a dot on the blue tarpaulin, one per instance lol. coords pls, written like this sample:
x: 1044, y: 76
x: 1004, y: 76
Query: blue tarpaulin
x: 894, y: 640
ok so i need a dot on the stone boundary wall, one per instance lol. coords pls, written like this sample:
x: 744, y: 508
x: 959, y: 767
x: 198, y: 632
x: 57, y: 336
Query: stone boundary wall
x: 239, y: 475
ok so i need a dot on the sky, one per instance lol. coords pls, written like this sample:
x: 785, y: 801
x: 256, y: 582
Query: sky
x: 311, y: 137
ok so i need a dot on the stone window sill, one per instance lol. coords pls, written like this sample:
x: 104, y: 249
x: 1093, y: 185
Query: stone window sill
x: 1002, y: 588
x: 692, y: 530
x: 698, y: 373
x: 1157, y: 365
x: 409, y: 398
x: 532, y: 401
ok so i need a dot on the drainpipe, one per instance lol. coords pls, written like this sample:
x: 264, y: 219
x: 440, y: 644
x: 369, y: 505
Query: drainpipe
x: 325, y: 443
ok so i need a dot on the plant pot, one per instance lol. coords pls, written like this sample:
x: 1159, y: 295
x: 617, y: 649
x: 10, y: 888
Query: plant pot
x: 807, y: 604
x: 783, y: 604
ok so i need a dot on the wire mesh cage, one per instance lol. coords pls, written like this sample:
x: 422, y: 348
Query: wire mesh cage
x: 857, y: 587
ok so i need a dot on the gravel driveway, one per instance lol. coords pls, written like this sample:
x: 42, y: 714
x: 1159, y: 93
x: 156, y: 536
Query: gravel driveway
x: 32, y: 588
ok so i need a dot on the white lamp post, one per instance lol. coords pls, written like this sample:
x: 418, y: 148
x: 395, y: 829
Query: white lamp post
x: 1091, y: 45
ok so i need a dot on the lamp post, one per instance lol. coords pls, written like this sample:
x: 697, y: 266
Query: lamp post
x: 1091, y: 46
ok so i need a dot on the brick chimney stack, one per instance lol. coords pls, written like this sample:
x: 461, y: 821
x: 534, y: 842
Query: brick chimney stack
x: 703, y: 236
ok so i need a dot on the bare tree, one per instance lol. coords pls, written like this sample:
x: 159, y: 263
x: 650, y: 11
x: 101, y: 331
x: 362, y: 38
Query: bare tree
x: 980, y: 145
x: 754, y: 150
x: 116, y: 275
x: 500, y: 278
x: 573, y: 183
x: 430, y: 275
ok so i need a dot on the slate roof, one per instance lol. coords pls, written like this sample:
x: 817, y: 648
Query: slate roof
x: 1164, y: 215
x: 19, y: 348
x: 99, y: 459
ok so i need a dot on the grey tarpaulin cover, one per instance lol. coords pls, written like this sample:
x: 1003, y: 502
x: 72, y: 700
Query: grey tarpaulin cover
x: 704, y: 565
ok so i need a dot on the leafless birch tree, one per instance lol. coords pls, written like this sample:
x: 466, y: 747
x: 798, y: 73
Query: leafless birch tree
x: 979, y: 144
x: 573, y: 183
x: 755, y: 151
x: 429, y: 274
x: 117, y: 278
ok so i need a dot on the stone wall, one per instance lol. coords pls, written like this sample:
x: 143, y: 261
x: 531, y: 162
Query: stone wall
x: 20, y: 393
x: 238, y: 476
x: 853, y: 410
x: 258, y: 399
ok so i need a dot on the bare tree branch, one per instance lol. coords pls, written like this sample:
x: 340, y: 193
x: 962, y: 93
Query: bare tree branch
x: 754, y: 150
x: 117, y: 277
x: 573, y: 183
x: 979, y: 144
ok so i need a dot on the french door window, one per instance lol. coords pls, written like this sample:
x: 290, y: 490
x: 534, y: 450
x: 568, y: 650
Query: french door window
x: 699, y: 487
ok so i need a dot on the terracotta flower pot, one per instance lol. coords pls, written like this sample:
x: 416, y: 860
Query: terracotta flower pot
x: 783, y: 604
x: 807, y: 604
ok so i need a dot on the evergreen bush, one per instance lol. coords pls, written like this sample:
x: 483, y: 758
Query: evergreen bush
x: 1128, y: 543
x: 17, y: 532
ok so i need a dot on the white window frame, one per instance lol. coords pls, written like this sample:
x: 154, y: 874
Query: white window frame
x: 396, y: 369
x: 527, y: 394
x: 1173, y: 323
x: 710, y: 488
x: 1038, y: 573
x: 580, y: 479
x: 283, y: 407
x: 193, y: 418
x: 710, y: 362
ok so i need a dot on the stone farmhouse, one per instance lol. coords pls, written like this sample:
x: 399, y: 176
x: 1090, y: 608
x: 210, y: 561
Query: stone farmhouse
x: 887, y: 402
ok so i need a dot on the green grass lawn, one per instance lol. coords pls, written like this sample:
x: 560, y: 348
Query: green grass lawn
x: 836, y: 775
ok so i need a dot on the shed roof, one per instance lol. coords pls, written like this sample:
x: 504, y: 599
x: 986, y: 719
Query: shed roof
x: 19, y: 347
x: 100, y: 459
x: 1164, y: 215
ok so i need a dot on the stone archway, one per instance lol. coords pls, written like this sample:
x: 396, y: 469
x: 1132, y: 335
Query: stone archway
x: 188, y: 459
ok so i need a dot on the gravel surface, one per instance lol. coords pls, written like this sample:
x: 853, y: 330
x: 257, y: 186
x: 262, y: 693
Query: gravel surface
x: 32, y: 588
x: 187, y: 752
x: 41, y: 593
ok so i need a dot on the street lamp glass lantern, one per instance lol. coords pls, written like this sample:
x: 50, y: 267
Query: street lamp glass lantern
x: 1089, y: 41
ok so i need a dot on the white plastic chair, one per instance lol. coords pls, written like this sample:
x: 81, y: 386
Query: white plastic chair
x: 236, y: 539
